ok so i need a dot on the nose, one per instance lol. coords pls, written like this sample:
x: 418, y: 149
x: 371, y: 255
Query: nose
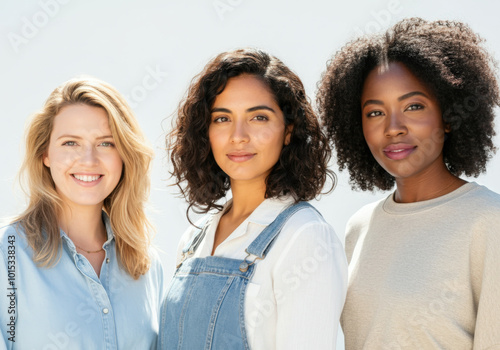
x: 88, y: 156
x: 239, y: 132
x: 395, y: 124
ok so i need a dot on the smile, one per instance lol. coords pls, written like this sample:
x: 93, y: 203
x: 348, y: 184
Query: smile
x: 398, y: 152
x: 87, y: 178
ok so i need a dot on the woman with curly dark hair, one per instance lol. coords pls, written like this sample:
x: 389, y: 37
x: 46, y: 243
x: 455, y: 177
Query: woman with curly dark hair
x: 415, y: 107
x: 265, y: 271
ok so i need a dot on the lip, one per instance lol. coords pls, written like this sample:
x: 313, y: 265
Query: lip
x: 398, y: 151
x: 240, y: 156
x: 87, y: 180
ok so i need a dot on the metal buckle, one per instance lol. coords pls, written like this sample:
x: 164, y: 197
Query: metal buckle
x: 184, y: 257
x: 245, y: 264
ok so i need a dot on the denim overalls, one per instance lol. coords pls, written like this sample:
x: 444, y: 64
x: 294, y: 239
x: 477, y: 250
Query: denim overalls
x: 204, y: 308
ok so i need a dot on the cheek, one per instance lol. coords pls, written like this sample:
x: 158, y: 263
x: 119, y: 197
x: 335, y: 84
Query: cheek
x: 60, y: 159
x: 115, y: 164
x: 273, y: 136
x: 212, y: 137
x: 369, y: 134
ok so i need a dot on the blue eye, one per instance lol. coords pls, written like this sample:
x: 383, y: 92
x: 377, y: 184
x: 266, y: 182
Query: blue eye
x: 69, y: 143
x: 107, y: 144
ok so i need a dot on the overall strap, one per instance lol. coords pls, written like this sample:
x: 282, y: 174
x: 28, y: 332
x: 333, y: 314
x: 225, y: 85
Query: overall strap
x: 261, y: 245
x: 195, y: 241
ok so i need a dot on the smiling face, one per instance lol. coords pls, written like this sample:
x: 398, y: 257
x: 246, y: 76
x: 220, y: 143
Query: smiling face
x: 247, y: 130
x: 402, y: 123
x: 83, y: 160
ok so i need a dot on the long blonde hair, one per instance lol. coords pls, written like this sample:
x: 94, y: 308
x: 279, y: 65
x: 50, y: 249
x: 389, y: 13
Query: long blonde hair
x: 125, y: 204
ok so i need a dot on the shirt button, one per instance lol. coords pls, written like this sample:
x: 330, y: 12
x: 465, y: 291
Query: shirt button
x: 107, y: 260
x: 105, y: 310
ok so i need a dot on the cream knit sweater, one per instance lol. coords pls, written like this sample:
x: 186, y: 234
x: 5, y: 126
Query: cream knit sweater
x: 425, y: 275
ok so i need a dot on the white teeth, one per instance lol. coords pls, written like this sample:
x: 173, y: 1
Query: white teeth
x: 87, y: 178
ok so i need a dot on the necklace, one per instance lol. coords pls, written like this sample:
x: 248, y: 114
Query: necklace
x: 89, y: 251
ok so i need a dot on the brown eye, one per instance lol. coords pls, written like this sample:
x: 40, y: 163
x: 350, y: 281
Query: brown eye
x: 221, y: 119
x: 261, y: 118
x: 415, y: 107
x: 374, y: 114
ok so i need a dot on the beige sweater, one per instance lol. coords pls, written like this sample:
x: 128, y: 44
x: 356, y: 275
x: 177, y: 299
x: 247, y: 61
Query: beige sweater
x: 425, y: 275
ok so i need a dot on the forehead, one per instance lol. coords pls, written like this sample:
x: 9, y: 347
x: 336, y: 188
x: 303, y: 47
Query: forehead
x: 245, y: 88
x: 81, y: 118
x: 393, y: 77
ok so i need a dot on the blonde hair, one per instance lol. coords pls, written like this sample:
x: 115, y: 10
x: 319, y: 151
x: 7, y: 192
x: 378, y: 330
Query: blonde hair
x: 125, y: 204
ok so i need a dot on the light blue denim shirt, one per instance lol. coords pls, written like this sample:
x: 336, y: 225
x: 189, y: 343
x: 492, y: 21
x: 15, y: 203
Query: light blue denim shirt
x: 67, y: 306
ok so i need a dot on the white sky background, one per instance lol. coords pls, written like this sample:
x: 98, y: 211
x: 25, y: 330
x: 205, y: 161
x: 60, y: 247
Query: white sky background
x: 122, y: 42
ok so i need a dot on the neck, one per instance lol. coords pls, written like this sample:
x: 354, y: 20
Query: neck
x: 83, y: 225
x: 246, y: 198
x: 426, y: 186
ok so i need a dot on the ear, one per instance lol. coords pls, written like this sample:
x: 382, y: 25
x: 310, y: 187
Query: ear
x: 447, y: 128
x: 46, y: 161
x: 288, y: 134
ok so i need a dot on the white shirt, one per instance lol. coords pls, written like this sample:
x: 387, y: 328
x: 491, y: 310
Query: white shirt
x: 296, y: 295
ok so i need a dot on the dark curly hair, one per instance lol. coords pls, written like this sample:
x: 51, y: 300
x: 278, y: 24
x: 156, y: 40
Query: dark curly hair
x: 301, y: 170
x: 449, y: 58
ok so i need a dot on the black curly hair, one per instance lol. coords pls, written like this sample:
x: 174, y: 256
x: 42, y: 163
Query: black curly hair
x: 301, y: 170
x: 446, y: 55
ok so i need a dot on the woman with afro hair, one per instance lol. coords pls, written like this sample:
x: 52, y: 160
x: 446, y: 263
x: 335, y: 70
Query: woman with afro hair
x: 264, y: 270
x: 415, y: 107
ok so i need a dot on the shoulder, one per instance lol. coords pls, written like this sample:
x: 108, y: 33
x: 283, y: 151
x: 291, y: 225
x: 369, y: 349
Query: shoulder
x: 11, y: 239
x: 154, y: 255
x: 480, y: 208
x: 195, y: 228
x: 306, y: 231
x: 11, y: 232
x: 192, y: 230
x: 156, y: 268
x: 308, y: 240
x: 306, y: 221
x: 481, y: 199
x: 305, y: 216
x: 361, y: 218
x: 358, y: 224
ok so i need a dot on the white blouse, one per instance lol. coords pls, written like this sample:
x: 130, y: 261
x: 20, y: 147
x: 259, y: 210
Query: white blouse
x: 296, y: 295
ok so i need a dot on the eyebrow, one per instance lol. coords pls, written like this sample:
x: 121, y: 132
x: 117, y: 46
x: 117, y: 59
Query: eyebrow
x: 79, y: 137
x: 252, y: 109
x: 400, y: 98
x: 410, y: 94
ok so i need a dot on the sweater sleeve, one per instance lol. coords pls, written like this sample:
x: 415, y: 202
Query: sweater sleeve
x: 485, y: 272
x: 310, y: 284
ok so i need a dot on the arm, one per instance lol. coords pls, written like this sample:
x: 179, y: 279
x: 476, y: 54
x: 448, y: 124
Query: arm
x: 485, y: 268
x: 310, y: 282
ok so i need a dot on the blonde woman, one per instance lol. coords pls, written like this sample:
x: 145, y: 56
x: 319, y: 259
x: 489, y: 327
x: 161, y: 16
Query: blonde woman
x: 76, y: 267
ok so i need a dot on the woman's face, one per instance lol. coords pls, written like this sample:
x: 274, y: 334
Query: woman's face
x: 82, y: 157
x: 247, y: 130
x: 402, y: 122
